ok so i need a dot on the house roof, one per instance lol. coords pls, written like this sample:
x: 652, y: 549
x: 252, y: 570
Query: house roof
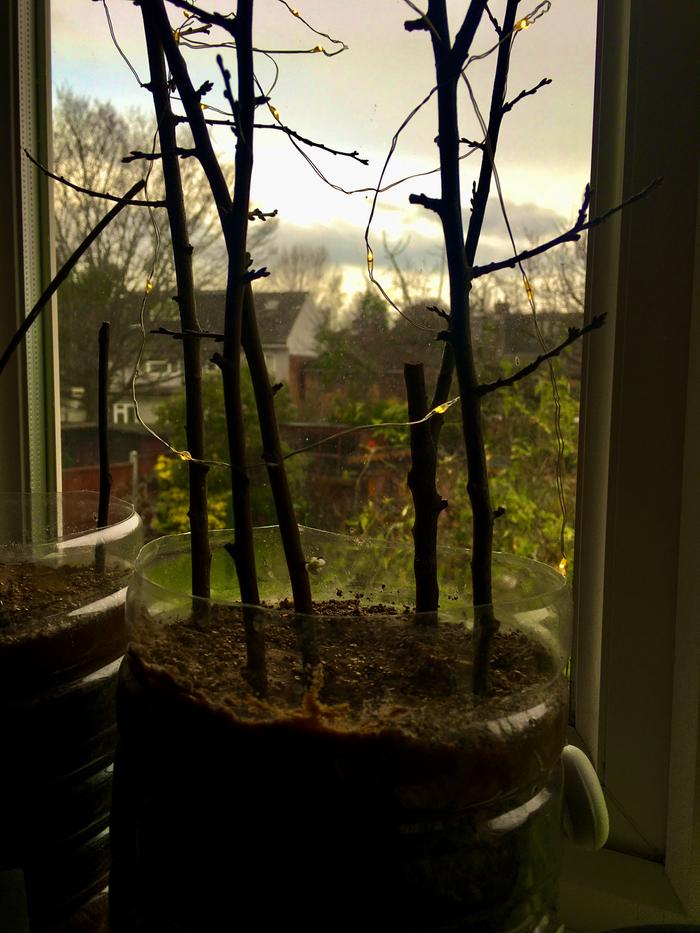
x: 276, y: 313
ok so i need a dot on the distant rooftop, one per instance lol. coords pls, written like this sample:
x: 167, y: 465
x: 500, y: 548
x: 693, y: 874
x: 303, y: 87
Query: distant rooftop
x: 276, y: 313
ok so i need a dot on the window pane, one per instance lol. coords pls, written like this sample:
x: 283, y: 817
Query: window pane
x: 329, y: 336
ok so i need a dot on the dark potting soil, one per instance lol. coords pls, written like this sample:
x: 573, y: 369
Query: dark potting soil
x: 377, y: 666
x: 39, y: 638
x: 375, y: 794
x: 58, y: 726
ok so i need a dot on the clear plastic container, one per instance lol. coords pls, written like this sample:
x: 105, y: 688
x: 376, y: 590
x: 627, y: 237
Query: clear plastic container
x: 62, y: 635
x: 355, y: 783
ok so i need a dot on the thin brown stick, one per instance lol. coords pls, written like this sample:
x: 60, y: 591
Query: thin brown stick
x: 233, y: 215
x: 102, y: 428
x: 195, y: 117
x: 427, y: 502
x: 214, y: 19
x: 65, y: 271
x: 481, y: 195
x: 182, y: 257
x: 104, y: 195
x: 281, y: 127
x: 235, y: 229
x: 448, y: 64
x: 575, y: 333
x: 273, y: 458
x: 137, y: 155
x: 279, y: 485
x: 526, y: 93
x: 568, y: 236
x: 460, y: 254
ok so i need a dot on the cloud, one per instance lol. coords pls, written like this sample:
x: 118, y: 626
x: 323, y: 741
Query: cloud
x: 529, y: 222
x: 419, y: 237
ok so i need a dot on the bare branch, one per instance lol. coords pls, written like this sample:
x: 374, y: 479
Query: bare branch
x: 522, y: 94
x: 439, y: 311
x: 104, y: 195
x: 480, y: 192
x: 571, y: 235
x: 102, y: 435
x: 181, y: 334
x: 573, y: 335
x: 136, y: 155
x: 310, y: 142
x: 195, y: 117
x: 431, y: 204
x: 214, y: 19
x: 465, y: 35
x: 585, y: 204
x: 427, y: 502
x: 257, y: 214
x: 416, y: 25
x: 494, y: 21
x: 391, y: 255
x: 254, y: 274
x: 65, y: 271
x: 185, y: 300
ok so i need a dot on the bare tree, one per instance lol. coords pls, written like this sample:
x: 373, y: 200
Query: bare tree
x: 91, y: 141
x: 300, y: 268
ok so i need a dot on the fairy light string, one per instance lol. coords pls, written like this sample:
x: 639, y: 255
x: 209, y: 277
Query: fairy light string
x: 522, y: 24
x: 182, y: 35
x: 530, y: 18
x: 184, y: 455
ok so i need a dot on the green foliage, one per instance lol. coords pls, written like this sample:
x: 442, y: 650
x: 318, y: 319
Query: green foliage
x: 390, y: 413
x: 362, y: 364
x: 172, y: 497
x: 368, y: 351
x: 522, y: 458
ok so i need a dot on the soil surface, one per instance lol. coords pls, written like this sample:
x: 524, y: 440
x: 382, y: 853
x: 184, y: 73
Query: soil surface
x: 33, y: 593
x: 377, y: 666
x: 38, y: 635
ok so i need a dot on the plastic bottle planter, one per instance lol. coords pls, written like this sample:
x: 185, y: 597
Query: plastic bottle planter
x: 62, y: 633
x: 334, y: 772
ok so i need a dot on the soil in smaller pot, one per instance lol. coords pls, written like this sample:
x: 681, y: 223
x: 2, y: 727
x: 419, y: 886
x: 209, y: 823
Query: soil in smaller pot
x: 62, y: 634
x: 373, y: 795
x: 41, y: 634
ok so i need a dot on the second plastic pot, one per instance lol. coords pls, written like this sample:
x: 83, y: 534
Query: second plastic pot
x: 62, y: 634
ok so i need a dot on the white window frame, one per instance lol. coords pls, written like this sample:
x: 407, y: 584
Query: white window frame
x: 29, y: 415
x: 636, y: 670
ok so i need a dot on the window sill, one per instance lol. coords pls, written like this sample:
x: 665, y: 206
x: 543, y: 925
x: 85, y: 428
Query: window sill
x: 605, y: 890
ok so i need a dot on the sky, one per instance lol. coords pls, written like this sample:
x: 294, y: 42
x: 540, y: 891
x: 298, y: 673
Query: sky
x: 356, y: 100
